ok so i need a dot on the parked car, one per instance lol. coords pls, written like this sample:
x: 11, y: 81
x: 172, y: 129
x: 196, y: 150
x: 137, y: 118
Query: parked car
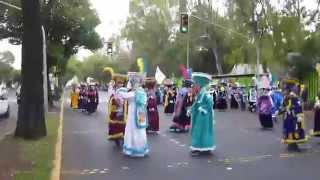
x: 4, y: 103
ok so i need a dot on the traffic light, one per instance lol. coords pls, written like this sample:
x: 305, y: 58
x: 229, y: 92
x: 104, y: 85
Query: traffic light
x: 184, y: 24
x: 109, y: 48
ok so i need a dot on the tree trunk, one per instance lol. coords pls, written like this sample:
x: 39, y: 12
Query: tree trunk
x: 31, y: 117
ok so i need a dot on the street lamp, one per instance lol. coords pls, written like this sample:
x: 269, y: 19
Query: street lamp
x: 44, y: 51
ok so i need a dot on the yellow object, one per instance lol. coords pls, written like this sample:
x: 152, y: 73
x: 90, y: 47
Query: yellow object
x: 108, y: 70
x: 112, y: 108
x: 140, y: 65
x: 74, y: 99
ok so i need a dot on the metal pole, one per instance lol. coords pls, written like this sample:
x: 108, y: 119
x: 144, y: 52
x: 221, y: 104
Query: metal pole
x: 188, y: 44
x: 188, y: 49
x: 44, y: 71
x: 10, y: 5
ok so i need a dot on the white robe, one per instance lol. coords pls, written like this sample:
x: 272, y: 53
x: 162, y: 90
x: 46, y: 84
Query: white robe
x: 135, y: 139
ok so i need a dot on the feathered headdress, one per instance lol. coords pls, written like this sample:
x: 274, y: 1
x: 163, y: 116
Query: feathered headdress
x: 108, y: 70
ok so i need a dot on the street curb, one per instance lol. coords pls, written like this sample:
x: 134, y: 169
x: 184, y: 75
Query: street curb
x: 55, y: 174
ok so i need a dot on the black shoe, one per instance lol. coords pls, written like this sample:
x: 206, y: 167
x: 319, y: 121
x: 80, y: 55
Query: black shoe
x: 195, y: 153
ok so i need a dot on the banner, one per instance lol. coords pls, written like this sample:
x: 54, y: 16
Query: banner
x: 159, y: 76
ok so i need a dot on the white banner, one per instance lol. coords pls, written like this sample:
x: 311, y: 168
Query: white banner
x: 159, y: 76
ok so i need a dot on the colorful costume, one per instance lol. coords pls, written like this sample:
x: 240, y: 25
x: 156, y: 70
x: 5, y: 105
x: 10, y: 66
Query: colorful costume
x: 74, y: 96
x: 252, y: 99
x: 277, y: 99
x: 92, y: 100
x: 293, y: 125
x: 222, y: 99
x: 135, y: 138
x: 181, y: 119
x: 170, y: 100
x: 265, y: 111
x: 202, y: 131
x: 316, y: 129
x: 152, y: 106
x: 83, y: 97
x: 234, y: 99
x: 117, y: 109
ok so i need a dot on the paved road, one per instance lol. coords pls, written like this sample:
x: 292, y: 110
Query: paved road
x: 244, y: 152
x: 7, y: 126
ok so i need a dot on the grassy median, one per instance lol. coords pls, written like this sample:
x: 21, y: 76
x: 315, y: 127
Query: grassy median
x: 40, y: 153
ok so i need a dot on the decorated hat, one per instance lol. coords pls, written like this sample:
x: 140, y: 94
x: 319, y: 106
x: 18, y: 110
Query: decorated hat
x: 187, y: 83
x: 201, y: 79
x: 119, y: 78
x: 135, y: 79
x: 150, y: 82
x: 168, y: 82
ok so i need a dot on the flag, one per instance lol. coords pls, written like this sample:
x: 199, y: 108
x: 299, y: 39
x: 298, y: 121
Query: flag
x: 159, y: 76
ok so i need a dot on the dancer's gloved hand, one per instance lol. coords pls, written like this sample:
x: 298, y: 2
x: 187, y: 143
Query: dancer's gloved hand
x: 202, y: 110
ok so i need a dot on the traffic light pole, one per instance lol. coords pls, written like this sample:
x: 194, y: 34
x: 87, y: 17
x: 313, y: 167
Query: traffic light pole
x: 188, y: 46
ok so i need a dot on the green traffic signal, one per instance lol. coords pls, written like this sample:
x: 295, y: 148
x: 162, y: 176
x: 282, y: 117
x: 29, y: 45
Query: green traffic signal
x: 184, y: 23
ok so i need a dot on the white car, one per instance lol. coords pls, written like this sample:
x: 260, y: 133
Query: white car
x: 4, y: 103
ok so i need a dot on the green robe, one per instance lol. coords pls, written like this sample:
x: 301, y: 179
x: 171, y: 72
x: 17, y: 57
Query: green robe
x: 202, y: 131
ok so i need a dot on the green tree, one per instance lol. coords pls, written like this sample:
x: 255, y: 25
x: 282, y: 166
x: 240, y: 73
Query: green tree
x: 31, y: 118
x: 69, y: 25
x: 6, y: 69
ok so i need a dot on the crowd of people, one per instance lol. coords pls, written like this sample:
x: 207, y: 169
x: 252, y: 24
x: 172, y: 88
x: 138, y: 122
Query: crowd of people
x: 133, y: 110
x: 84, y: 97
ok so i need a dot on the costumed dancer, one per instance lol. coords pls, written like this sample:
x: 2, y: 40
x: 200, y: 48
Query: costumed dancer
x: 181, y: 118
x: 243, y: 98
x: 117, y: 109
x: 222, y: 99
x: 83, y: 97
x: 92, y: 99
x: 234, y: 103
x: 265, y: 109
x: 293, y: 125
x: 74, y: 96
x: 202, y: 131
x: 252, y: 99
x: 277, y: 99
x: 316, y: 128
x: 135, y: 137
x: 214, y: 96
x: 170, y: 100
x: 152, y: 109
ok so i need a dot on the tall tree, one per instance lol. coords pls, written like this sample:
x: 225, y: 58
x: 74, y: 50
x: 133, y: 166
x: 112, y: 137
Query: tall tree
x: 31, y: 118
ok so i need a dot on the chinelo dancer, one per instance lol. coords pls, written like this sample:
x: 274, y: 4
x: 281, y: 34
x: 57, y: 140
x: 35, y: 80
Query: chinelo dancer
x: 135, y: 138
x: 293, y: 125
x: 169, y: 98
x: 181, y: 118
x: 117, y: 109
x: 202, y: 131
x: 265, y: 110
x: 152, y: 109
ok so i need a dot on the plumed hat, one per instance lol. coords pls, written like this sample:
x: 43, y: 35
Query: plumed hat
x: 201, y: 79
x: 150, y: 82
x: 119, y: 78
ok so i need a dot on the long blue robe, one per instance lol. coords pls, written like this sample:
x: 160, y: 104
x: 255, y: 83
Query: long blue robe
x: 202, y: 131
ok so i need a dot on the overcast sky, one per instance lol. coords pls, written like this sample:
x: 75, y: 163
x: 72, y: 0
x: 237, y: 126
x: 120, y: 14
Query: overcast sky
x: 113, y: 15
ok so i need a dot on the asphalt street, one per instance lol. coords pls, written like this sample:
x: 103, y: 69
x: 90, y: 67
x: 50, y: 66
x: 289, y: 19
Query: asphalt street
x: 244, y: 152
